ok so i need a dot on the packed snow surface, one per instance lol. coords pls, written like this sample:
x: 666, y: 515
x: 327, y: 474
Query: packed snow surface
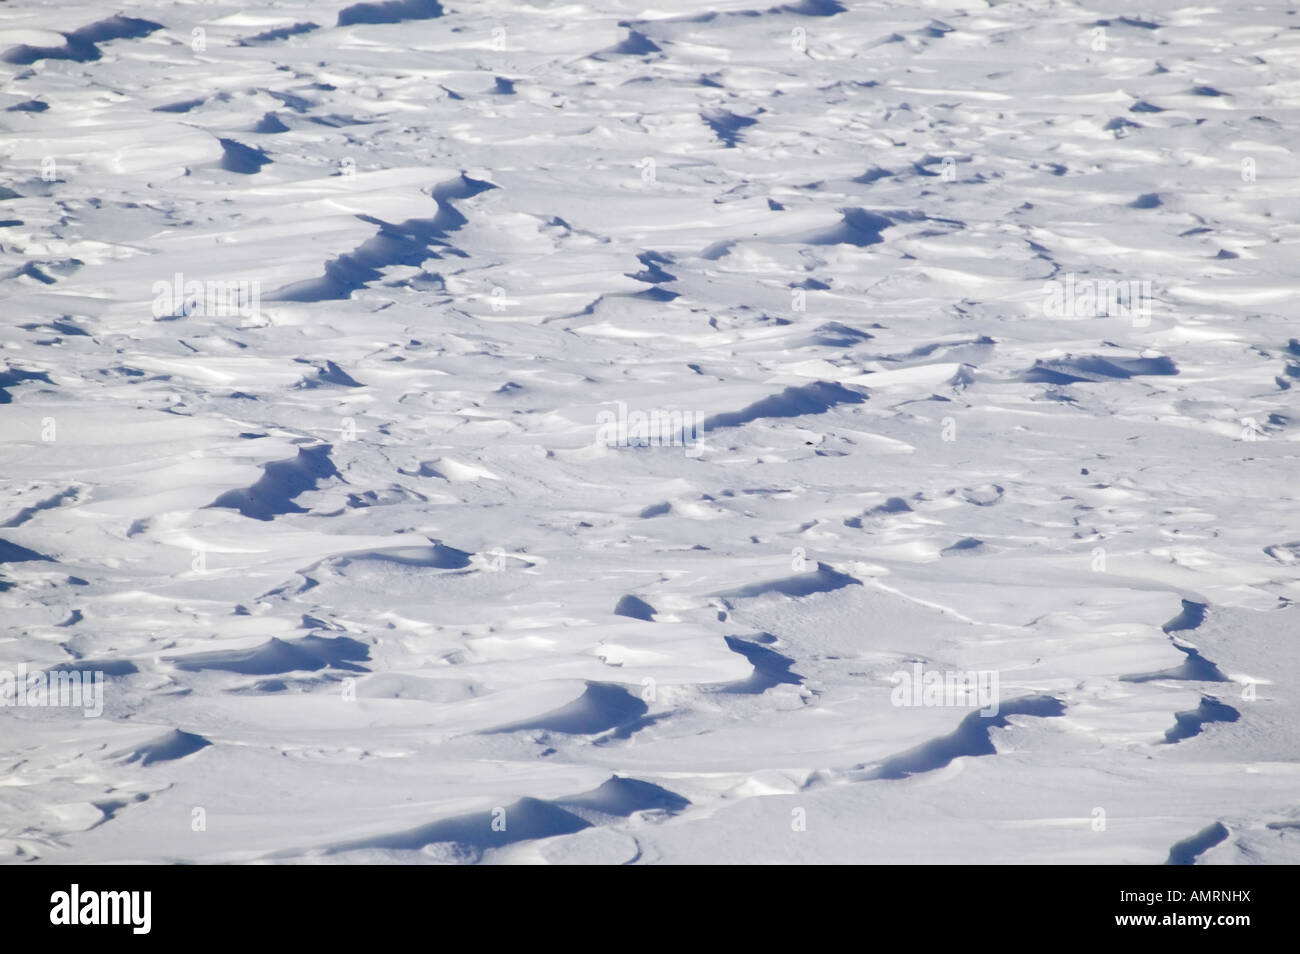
x: 559, y: 432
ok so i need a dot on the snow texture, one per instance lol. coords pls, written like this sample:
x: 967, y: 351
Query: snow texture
x: 510, y: 433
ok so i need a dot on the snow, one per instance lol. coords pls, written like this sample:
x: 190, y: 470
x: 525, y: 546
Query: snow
x: 317, y: 316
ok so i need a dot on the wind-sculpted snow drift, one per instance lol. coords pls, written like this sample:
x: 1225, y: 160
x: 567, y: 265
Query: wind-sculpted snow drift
x: 499, y: 432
